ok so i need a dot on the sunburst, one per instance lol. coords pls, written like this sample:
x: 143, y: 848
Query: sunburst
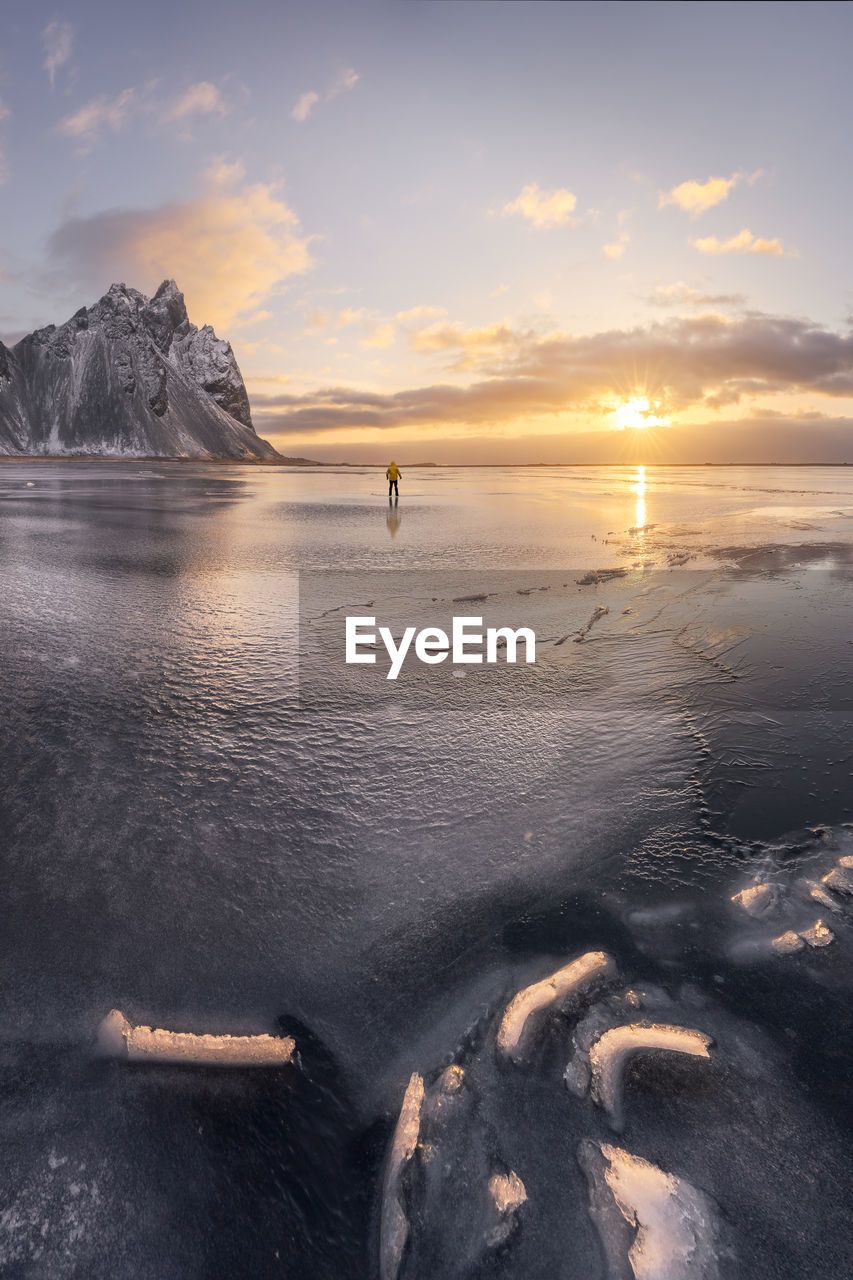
x: 637, y: 412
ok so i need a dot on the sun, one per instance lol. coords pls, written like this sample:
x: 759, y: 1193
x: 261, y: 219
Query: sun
x: 637, y: 412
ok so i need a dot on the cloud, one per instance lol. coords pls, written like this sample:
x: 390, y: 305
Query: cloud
x: 349, y: 315
x: 96, y: 116
x: 682, y: 294
x: 103, y: 114
x: 199, y: 99
x: 315, y: 321
x: 347, y: 79
x: 5, y: 111
x: 543, y: 208
x: 696, y: 197
x: 743, y: 242
x: 304, y: 103
x: 685, y: 363
x: 420, y: 313
x: 469, y: 345
x: 254, y: 318
x: 58, y: 44
x: 230, y: 248
x: 382, y: 336
x: 615, y: 250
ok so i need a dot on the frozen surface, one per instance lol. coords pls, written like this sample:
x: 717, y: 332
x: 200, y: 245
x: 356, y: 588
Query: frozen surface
x: 181, y: 841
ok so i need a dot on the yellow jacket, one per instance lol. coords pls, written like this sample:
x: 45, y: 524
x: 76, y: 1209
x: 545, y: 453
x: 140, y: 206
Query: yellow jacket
x: 393, y: 473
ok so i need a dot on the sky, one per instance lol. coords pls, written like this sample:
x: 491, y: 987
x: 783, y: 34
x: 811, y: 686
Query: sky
x: 457, y: 230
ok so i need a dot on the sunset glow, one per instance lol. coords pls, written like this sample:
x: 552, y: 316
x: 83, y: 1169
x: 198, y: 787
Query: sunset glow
x: 451, y: 276
x: 637, y: 413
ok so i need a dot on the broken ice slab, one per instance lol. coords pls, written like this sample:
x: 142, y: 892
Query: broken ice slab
x: 841, y: 880
x: 118, y: 1038
x: 394, y: 1227
x: 810, y: 889
x: 756, y: 899
x: 608, y: 1056
x: 652, y: 1225
x: 548, y: 993
x: 817, y: 936
x: 787, y: 943
x: 508, y: 1195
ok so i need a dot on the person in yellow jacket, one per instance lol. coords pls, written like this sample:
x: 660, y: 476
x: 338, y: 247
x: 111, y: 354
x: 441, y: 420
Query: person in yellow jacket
x: 392, y: 475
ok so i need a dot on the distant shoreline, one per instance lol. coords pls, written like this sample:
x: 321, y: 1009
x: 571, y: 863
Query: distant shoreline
x: 301, y: 463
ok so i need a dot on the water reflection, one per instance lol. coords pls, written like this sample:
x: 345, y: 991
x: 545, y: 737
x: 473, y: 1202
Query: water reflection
x: 639, y: 488
x: 393, y: 518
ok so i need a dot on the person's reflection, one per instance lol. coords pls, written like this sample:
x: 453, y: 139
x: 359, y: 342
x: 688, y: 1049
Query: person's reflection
x: 393, y: 518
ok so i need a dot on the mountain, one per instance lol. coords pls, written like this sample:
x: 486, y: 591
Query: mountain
x: 127, y: 377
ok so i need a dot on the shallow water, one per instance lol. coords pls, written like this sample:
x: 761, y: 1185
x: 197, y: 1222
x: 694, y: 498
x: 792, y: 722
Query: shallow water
x: 183, y: 840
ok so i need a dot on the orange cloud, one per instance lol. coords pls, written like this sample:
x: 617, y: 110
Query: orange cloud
x: 543, y: 208
x: 682, y: 294
x: 230, y: 248
x: 695, y: 197
x: 469, y: 344
x: 420, y: 313
x: 349, y: 315
x: 382, y: 336
x: 615, y: 250
x: 743, y: 242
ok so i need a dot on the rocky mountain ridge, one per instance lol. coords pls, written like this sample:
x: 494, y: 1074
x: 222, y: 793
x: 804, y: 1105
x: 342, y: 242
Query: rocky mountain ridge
x: 129, y: 376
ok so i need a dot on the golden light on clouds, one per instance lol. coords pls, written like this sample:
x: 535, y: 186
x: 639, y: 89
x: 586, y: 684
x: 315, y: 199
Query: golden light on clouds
x: 453, y: 336
x: 743, y: 242
x: 230, y: 248
x: 543, y: 208
x: 695, y: 197
x: 382, y: 336
x: 615, y: 250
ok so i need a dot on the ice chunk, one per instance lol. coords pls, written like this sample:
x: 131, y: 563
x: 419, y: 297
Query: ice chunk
x: 507, y: 1191
x: 757, y: 899
x: 577, y: 1076
x: 451, y: 1080
x: 508, y: 1195
x: 816, y: 892
x: 608, y: 1055
x: 788, y: 943
x: 841, y: 880
x: 818, y: 935
x: 593, y: 966
x: 656, y: 1223
x: 119, y: 1038
x: 394, y: 1228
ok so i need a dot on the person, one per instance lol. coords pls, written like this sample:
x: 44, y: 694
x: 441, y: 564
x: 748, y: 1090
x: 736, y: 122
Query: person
x: 392, y: 475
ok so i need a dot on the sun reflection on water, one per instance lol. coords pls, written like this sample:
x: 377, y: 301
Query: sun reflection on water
x: 639, y: 488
